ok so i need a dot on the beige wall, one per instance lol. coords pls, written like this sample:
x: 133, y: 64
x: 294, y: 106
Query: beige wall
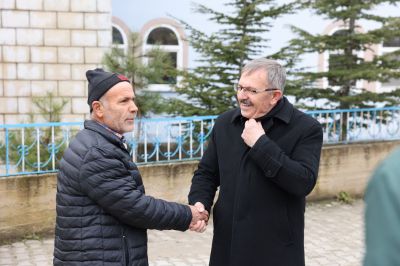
x: 348, y: 167
x: 46, y: 46
x: 27, y: 203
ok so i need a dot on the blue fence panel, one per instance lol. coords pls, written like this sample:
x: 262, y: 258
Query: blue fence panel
x: 34, y: 148
x: 38, y: 148
x: 170, y: 139
x: 355, y: 125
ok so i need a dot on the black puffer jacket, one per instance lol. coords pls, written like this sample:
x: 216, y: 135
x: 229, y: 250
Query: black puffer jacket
x: 102, y: 209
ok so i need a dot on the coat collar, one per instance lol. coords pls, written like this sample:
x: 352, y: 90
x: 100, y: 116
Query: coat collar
x: 107, y: 133
x: 282, y: 111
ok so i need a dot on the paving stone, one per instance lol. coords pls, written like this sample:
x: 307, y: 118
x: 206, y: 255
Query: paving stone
x: 6, y: 261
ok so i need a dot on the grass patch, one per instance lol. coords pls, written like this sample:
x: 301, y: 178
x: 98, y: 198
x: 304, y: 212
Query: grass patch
x: 344, y: 197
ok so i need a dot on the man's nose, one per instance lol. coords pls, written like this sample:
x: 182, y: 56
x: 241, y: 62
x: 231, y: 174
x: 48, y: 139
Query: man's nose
x: 241, y: 94
x: 133, y: 107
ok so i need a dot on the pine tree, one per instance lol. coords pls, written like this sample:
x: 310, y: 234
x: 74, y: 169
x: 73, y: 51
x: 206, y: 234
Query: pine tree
x: 142, y: 69
x: 346, y: 65
x: 209, y: 88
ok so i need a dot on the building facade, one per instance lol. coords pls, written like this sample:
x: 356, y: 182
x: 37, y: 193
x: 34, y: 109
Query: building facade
x: 375, y: 49
x: 45, y: 48
x: 164, y: 33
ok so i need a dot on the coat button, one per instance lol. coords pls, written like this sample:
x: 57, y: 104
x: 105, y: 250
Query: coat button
x: 269, y: 173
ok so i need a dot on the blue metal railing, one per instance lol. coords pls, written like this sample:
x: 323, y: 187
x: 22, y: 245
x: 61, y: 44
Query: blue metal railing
x: 37, y: 148
x: 34, y: 148
x: 170, y: 139
x: 355, y: 125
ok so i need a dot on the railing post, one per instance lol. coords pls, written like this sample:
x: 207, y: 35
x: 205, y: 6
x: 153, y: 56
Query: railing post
x: 169, y: 143
x: 67, y: 141
x: 191, y: 138
x: 145, y: 142
x: 202, y: 138
x: 334, y: 126
x: 342, y: 128
x: 134, y: 150
x: 23, y: 148
x: 158, y: 144
x: 327, y: 124
x: 7, y: 154
x: 369, y: 121
x: 53, y: 150
x: 38, y: 148
x: 347, y: 126
x: 180, y: 140
x: 362, y: 120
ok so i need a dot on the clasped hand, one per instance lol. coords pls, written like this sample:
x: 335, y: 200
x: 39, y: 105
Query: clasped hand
x: 252, y: 131
x: 199, y: 217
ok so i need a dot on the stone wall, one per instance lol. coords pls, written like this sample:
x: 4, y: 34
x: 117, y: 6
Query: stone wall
x: 27, y: 203
x: 47, y: 46
x: 348, y: 167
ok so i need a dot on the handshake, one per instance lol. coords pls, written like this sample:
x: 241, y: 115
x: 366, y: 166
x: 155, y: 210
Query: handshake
x: 199, y: 217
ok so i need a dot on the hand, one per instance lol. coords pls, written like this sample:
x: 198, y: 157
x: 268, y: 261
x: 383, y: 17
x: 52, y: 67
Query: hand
x: 252, y: 132
x: 199, y: 218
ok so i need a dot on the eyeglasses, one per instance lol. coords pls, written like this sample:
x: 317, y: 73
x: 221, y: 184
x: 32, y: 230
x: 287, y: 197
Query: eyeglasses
x: 252, y: 91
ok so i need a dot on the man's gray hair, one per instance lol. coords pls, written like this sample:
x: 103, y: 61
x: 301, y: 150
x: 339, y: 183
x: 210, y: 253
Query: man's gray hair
x: 276, y: 74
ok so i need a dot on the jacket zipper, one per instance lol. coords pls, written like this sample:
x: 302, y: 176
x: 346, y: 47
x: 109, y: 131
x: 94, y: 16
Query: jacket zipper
x: 126, y: 250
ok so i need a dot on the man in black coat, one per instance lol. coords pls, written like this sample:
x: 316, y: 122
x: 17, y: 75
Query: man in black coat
x: 102, y: 209
x: 264, y: 158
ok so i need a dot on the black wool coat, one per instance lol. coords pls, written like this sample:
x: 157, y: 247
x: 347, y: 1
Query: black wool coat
x: 259, y: 214
x: 102, y: 209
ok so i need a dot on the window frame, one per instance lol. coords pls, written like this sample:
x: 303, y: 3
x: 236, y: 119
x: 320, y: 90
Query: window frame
x: 178, y: 49
x: 124, y: 45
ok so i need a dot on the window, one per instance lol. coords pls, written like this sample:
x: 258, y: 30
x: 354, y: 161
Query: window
x: 167, y: 40
x: 171, y: 79
x: 394, y: 42
x: 388, y: 46
x: 391, y: 84
x: 117, y: 36
x: 162, y: 36
x: 168, y: 35
x: 120, y: 33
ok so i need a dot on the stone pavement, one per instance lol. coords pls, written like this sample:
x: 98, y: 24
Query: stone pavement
x: 333, y: 236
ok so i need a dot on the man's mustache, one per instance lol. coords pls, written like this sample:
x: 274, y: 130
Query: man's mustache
x: 245, y: 101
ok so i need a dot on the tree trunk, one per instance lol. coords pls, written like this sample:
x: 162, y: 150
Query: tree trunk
x: 346, y: 89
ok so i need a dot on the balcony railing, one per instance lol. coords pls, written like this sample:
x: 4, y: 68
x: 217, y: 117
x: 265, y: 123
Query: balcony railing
x: 38, y: 148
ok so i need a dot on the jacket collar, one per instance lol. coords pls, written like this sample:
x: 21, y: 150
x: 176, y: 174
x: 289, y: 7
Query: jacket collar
x: 282, y: 111
x: 105, y: 132
x: 112, y: 131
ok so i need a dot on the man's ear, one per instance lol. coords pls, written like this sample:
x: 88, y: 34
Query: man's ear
x: 97, y: 108
x: 277, y: 95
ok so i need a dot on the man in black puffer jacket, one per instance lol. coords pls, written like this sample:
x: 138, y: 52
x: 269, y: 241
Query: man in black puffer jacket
x: 102, y: 209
